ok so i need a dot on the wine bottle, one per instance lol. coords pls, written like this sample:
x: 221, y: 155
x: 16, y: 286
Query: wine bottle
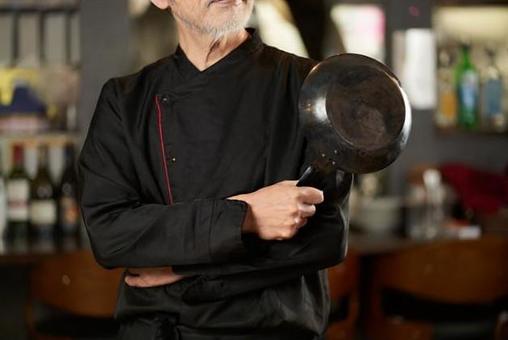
x: 467, y: 81
x: 68, y: 220
x: 43, y: 209
x: 18, y: 196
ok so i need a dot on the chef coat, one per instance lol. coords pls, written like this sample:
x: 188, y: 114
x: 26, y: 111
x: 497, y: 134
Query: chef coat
x: 165, y: 149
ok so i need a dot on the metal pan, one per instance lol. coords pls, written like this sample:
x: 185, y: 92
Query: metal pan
x: 355, y: 115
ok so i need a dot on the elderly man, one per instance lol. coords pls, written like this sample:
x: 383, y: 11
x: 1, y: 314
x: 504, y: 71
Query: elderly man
x: 188, y: 181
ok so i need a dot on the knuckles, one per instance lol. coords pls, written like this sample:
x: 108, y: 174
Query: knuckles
x: 286, y: 234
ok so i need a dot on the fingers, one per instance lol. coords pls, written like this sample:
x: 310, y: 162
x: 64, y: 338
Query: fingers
x: 151, y: 277
x: 290, y: 182
x: 310, y: 195
x: 306, y: 210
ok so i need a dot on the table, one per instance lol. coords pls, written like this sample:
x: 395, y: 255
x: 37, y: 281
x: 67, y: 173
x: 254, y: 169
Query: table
x: 23, y: 252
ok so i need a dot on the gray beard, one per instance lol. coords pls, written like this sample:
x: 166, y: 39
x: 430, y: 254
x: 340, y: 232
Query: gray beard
x: 215, y: 31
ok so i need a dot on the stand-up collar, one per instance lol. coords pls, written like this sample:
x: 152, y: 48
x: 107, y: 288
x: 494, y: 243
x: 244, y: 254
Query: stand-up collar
x: 187, y: 69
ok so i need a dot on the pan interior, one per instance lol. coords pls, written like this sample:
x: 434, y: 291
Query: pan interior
x: 365, y: 107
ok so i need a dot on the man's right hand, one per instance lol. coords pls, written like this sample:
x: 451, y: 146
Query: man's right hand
x: 276, y: 212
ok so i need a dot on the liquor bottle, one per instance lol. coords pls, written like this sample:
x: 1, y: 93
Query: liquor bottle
x: 18, y: 196
x: 491, y: 109
x: 43, y: 209
x: 467, y: 84
x: 446, y: 115
x: 69, y: 219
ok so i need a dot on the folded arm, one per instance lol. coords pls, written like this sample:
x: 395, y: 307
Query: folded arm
x: 125, y: 231
x: 320, y: 244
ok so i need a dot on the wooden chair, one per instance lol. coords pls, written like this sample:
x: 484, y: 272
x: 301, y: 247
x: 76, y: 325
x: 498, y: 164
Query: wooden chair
x: 472, y: 272
x: 343, y: 283
x: 83, y: 293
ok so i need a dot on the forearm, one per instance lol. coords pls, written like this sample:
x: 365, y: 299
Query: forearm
x: 320, y: 244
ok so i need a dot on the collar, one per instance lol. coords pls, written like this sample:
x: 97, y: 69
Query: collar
x: 186, y: 68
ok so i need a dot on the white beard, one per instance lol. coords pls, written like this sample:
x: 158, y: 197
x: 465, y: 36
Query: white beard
x: 237, y: 22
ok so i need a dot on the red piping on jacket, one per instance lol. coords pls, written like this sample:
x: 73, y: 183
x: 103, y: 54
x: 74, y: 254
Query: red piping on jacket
x: 162, y: 149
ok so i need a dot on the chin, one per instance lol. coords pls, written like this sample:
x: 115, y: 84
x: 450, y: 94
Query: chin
x: 226, y: 23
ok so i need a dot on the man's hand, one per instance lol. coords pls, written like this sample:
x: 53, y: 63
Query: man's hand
x: 276, y: 212
x: 151, y: 277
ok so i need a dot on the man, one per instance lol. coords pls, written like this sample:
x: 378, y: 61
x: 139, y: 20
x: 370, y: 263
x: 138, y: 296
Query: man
x: 188, y: 181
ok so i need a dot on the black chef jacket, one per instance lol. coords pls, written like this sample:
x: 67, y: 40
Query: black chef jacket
x: 165, y: 148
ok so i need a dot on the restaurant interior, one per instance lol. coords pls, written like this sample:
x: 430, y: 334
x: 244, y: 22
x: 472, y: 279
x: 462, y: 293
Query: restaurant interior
x: 428, y: 235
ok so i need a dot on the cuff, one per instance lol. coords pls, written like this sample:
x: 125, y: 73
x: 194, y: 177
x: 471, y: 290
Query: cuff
x: 226, y: 230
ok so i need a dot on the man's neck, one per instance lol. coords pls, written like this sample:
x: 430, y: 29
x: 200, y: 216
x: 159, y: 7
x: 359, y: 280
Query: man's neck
x: 204, y: 50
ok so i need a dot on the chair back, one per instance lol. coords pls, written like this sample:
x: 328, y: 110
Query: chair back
x: 343, y: 282
x: 75, y: 283
x: 458, y: 271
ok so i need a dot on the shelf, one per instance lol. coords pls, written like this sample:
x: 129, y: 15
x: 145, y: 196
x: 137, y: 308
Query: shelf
x: 48, y: 137
x: 470, y: 3
x: 40, y: 6
x: 459, y: 131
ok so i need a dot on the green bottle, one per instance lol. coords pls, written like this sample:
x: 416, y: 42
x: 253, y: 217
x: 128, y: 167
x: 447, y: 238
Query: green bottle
x: 467, y: 84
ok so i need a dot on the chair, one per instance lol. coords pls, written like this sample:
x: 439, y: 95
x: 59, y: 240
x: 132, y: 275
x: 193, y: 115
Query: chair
x: 343, y: 283
x: 71, y: 296
x: 449, y: 290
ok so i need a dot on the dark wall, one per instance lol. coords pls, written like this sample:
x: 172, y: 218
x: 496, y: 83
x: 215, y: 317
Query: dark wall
x: 105, y: 50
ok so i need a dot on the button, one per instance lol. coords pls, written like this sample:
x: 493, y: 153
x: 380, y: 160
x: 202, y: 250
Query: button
x: 165, y: 99
x: 173, y: 159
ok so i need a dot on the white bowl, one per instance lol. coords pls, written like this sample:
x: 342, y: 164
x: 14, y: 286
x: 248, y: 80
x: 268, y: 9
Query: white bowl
x: 379, y: 215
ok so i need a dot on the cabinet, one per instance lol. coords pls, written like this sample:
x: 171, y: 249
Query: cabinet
x: 472, y: 33
x: 39, y: 78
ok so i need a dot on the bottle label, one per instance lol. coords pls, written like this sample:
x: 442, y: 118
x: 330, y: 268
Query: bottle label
x: 469, y: 90
x: 18, y: 194
x: 69, y: 214
x: 43, y: 212
x: 447, y: 114
x: 492, y: 98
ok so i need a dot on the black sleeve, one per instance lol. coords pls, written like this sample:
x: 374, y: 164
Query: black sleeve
x: 125, y: 231
x: 320, y: 244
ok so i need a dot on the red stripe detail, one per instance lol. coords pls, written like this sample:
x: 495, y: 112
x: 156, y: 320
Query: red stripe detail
x: 163, y: 151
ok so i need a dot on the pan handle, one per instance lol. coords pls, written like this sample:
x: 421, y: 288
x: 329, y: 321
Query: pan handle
x: 315, y: 175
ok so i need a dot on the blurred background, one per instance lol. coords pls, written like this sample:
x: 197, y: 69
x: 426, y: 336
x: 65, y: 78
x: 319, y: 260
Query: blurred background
x: 428, y: 243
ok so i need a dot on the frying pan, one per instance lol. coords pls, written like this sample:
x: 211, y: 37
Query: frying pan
x: 355, y: 117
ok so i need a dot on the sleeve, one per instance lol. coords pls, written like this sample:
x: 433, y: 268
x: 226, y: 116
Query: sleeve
x: 124, y: 231
x: 320, y: 244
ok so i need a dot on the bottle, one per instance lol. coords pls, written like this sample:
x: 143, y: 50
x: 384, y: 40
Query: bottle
x: 3, y: 202
x: 446, y: 115
x: 491, y: 97
x: 43, y: 208
x: 68, y: 211
x: 18, y: 196
x: 467, y: 85
x: 435, y: 200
